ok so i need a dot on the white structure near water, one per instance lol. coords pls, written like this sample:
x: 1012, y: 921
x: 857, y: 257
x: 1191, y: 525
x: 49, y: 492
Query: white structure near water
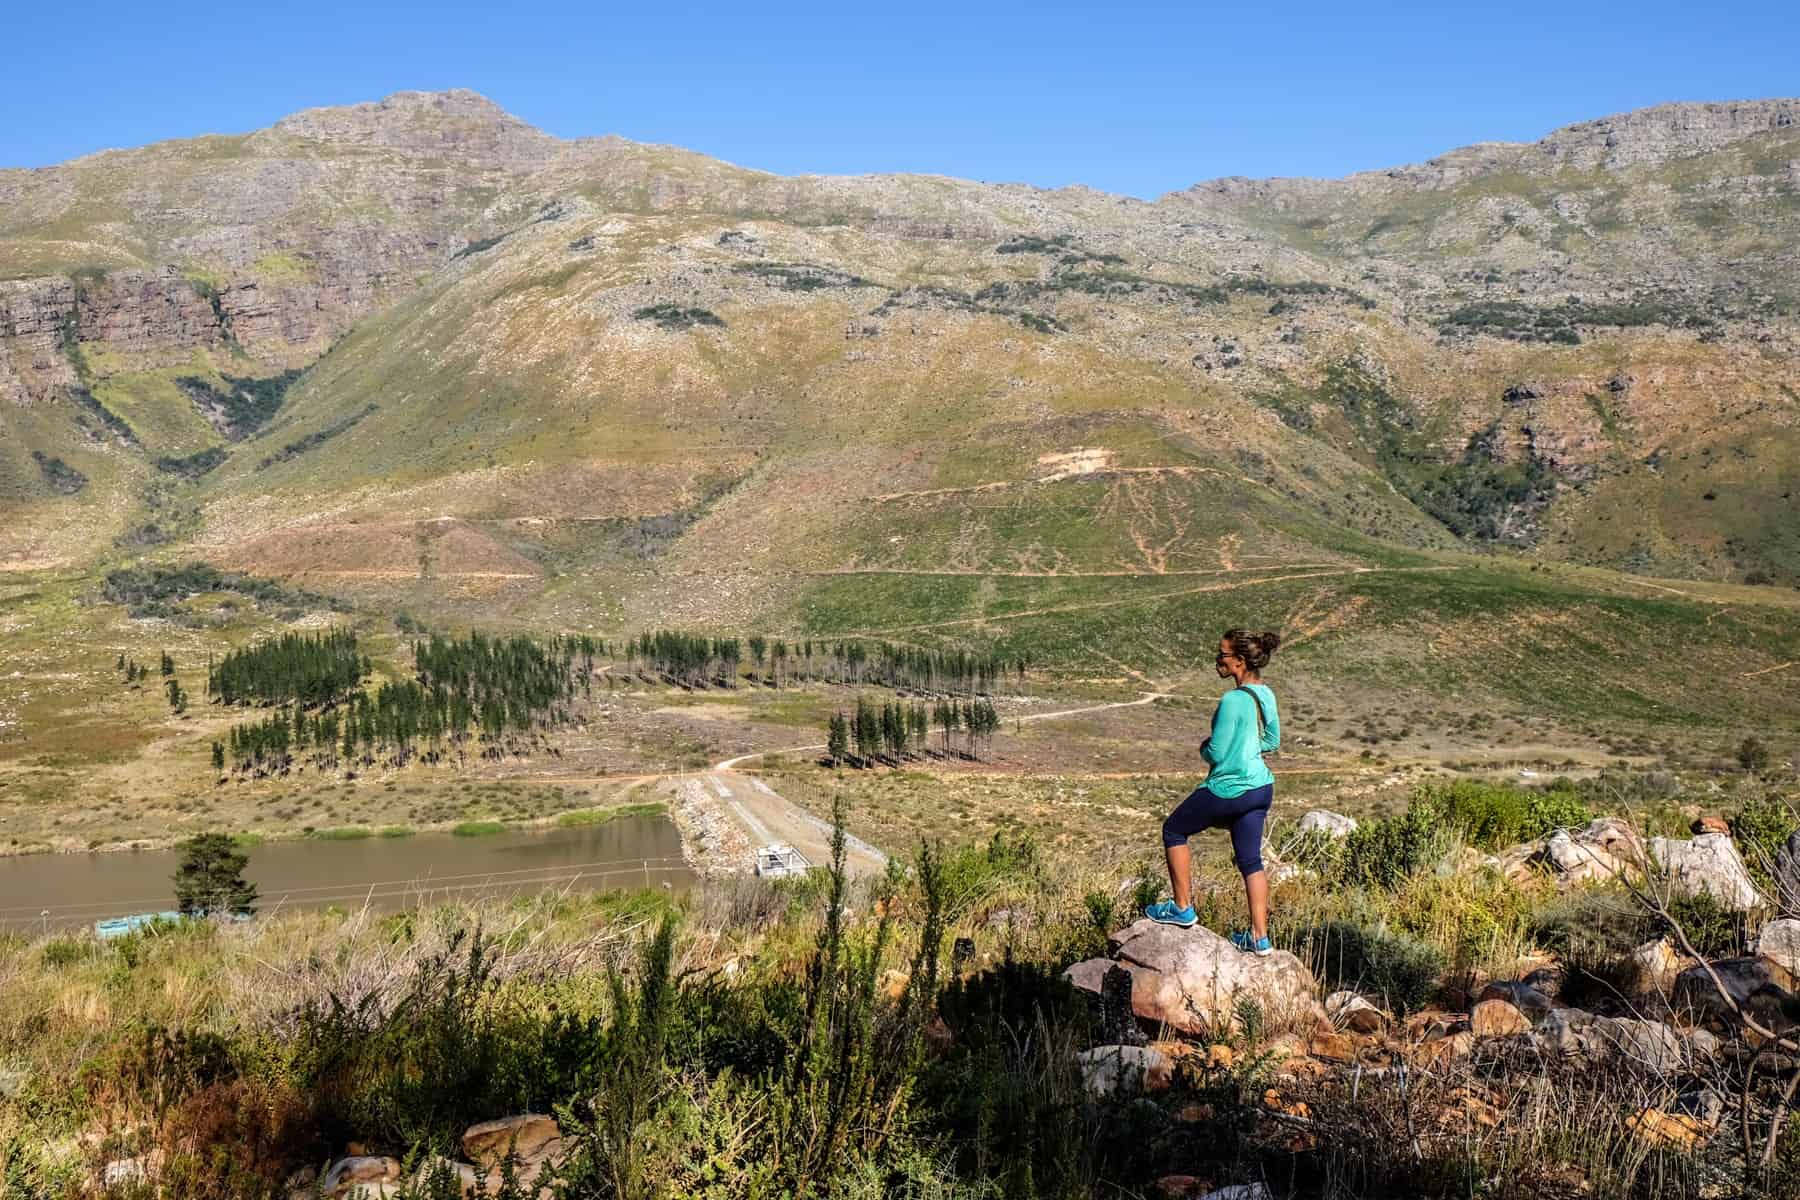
x: 774, y: 862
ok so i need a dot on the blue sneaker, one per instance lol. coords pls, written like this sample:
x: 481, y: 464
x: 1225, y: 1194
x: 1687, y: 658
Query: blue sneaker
x: 1164, y: 912
x: 1262, y: 947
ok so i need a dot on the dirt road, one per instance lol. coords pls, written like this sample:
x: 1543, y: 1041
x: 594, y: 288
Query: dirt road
x: 767, y: 818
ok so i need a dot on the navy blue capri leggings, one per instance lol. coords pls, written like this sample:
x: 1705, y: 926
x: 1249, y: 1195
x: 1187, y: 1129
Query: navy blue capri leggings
x: 1243, y: 815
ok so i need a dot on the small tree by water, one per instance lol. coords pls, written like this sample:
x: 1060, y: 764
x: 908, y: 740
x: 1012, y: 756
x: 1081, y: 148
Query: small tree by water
x: 210, y: 879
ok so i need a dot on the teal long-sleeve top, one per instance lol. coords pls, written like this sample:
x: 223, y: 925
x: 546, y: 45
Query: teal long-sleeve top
x: 1236, y: 746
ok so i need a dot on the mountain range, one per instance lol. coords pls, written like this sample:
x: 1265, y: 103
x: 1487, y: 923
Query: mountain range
x: 420, y: 353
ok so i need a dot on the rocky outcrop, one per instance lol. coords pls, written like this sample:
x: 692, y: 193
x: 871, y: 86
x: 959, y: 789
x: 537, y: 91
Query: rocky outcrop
x: 360, y: 1173
x: 1195, y: 981
x: 1333, y: 825
x: 1630, y: 1041
x: 1707, y: 866
x: 1107, y: 1070
x: 1603, y: 849
x: 1779, y: 945
x: 1787, y: 876
x: 1497, y: 1018
x: 1656, y: 965
x: 1347, y: 1010
x: 530, y: 1136
x: 1755, y: 986
x: 1649, y: 136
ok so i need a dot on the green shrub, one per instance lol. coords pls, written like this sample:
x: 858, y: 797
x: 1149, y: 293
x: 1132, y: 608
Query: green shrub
x: 1753, y: 755
x: 973, y: 872
x: 1761, y: 827
x: 66, y: 951
x: 1716, y: 929
x: 62, y: 478
x: 1397, y: 967
x: 418, y: 1071
x: 193, y: 466
x: 1496, y: 815
x: 1384, y: 853
x: 674, y: 317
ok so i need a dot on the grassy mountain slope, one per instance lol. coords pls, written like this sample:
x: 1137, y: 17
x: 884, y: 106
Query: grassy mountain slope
x: 598, y: 381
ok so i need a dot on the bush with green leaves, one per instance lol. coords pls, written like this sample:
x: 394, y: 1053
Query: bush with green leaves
x: 1496, y: 815
x: 1385, y: 853
x: 1399, y: 969
x: 1761, y: 828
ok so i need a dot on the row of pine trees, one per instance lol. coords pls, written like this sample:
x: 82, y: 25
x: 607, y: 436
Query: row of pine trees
x: 895, y: 731
x: 499, y: 692
x: 693, y: 660
x: 495, y: 690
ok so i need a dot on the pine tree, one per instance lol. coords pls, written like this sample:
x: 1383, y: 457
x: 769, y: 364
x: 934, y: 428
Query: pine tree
x: 211, y: 879
x: 218, y: 757
x: 168, y: 664
x: 837, y: 738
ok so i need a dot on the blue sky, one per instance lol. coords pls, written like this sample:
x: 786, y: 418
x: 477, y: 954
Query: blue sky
x: 1142, y: 100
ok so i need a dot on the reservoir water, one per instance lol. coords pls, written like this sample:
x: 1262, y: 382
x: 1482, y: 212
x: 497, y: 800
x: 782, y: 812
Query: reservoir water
x: 386, y: 873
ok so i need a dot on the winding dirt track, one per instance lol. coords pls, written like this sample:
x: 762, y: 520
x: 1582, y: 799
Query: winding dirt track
x: 1089, y: 605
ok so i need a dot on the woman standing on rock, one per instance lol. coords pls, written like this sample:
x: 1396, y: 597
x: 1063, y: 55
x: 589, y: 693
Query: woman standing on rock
x: 1237, y: 791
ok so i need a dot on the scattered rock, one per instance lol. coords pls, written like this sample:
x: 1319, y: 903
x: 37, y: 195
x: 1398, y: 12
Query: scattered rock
x: 1606, y: 848
x: 1468, y: 1106
x: 1560, y: 1032
x: 1519, y: 863
x: 1708, y: 865
x: 359, y: 1171
x: 1181, y: 1187
x: 1649, y: 1044
x: 529, y: 1136
x: 1656, y: 965
x: 1675, y: 1130
x: 1431, y: 1024
x: 1194, y: 980
x: 1711, y: 824
x: 1755, y: 985
x: 1497, y: 1018
x: 1521, y: 995
x: 123, y: 1173
x: 1333, y: 825
x: 1779, y: 944
x: 1219, y: 1057
x: 1787, y: 876
x: 1240, y: 1191
x: 1443, y: 1051
x: 1338, y: 1047
x: 1195, y: 1114
x: 1350, y: 1011
x: 1177, y: 1051
x: 1109, y: 1069
x: 1702, y: 1104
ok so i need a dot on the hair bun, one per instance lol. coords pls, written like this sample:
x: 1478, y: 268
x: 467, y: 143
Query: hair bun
x: 1269, y: 641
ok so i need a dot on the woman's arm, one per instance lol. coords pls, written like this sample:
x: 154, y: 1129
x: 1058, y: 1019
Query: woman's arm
x: 1271, y: 733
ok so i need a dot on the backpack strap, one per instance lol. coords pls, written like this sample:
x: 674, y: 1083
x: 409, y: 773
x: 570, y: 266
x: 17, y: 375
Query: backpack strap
x: 1262, y: 718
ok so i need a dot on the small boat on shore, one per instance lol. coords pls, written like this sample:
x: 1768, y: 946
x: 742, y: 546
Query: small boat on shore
x: 113, y: 927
